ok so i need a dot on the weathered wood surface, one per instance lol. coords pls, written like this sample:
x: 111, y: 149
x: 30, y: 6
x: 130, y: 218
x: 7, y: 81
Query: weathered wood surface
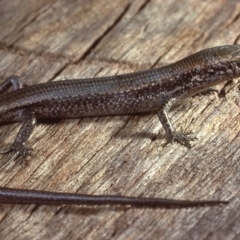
x: 52, y: 40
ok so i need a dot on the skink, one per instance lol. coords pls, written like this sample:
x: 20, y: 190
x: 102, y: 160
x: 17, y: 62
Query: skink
x: 153, y: 90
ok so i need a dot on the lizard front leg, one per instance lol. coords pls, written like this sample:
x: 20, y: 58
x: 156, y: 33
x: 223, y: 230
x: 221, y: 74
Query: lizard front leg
x: 180, y: 137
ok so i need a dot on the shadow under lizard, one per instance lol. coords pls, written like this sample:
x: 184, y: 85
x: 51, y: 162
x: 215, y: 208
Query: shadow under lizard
x: 153, y: 90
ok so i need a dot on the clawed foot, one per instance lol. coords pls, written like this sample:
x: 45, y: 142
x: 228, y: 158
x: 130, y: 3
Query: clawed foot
x: 16, y: 150
x: 183, y: 138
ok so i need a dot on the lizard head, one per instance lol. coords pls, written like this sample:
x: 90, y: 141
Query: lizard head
x: 230, y: 54
x: 235, y: 55
x: 226, y: 61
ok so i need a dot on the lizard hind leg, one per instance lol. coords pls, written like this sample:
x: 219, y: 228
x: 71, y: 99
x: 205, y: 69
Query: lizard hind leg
x: 19, y: 147
x: 13, y: 82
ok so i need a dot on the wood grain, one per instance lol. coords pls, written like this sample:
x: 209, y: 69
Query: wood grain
x: 51, y: 40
